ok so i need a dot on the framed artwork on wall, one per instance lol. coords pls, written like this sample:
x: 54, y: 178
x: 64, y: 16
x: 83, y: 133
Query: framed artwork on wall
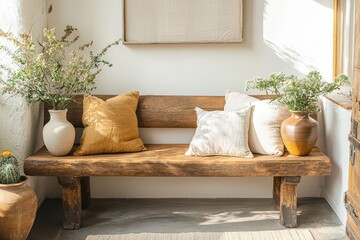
x: 182, y: 21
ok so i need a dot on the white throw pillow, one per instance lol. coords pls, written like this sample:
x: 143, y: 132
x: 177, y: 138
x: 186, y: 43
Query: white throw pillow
x: 221, y: 133
x: 265, y: 122
x: 235, y: 101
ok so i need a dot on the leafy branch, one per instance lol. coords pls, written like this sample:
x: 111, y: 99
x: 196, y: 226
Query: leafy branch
x: 298, y: 94
x: 54, y: 75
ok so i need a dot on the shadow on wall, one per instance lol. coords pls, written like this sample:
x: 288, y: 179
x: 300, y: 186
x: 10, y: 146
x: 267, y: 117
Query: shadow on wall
x: 302, y: 34
x: 325, y: 3
x: 290, y: 55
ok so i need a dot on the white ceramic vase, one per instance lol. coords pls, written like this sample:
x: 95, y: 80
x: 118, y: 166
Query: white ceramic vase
x: 58, y: 133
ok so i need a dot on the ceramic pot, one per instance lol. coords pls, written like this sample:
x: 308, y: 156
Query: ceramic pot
x: 299, y: 133
x: 18, y: 207
x: 58, y: 133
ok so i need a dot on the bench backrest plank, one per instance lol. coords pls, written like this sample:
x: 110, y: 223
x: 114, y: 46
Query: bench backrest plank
x: 160, y: 111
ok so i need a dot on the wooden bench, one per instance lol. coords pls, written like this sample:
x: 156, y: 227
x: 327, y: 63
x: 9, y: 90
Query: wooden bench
x: 168, y: 160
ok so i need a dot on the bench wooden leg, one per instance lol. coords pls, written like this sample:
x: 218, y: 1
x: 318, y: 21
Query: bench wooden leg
x: 276, y: 192
x: 288, y: 201
x: 85, y: 192
x: 71, y: 201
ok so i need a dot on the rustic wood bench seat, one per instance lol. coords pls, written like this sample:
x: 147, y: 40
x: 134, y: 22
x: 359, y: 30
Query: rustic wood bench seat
x: 168, y: 160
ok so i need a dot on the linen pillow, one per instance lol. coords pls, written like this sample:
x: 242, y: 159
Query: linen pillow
x: 110, y: 126
x: 235, y: 101
x: 265, y: 122
x: 221, y: 133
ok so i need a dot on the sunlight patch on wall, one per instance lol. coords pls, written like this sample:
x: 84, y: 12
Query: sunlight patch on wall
x: 295, y: 31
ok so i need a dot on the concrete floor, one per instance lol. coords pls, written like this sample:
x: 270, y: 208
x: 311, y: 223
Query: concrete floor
x: 119, y: 216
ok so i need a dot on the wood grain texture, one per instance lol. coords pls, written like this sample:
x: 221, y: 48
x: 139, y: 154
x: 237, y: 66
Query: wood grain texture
x: 288, y: 201
x: 350, y: 234
x: 159, y: 111
x: 353, y: 195
x: 340, y: 100
x: 169, y: 160
x: 352, y: 227
x: 276, y: 192
x: 353, y: 214
x: 71, y: 202
x: 356, y: 92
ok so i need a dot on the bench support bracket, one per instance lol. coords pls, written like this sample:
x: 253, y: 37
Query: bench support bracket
x: 288, y: 201
x: 71, y: 201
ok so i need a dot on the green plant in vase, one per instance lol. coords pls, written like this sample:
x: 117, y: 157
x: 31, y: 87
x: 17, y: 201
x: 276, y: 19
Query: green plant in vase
x: 300, y: 95
x: 52, y: 71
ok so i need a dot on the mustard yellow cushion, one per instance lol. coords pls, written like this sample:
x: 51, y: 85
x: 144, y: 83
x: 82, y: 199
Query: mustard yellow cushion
x: 111, y: 126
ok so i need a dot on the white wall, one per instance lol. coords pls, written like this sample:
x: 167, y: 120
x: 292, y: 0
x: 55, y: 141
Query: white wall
x: 20, y: 123
x: 284, y: 35
x: 335, y: 122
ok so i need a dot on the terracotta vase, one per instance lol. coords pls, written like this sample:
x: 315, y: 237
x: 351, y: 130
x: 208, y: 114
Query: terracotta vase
x: 18, y: 207
x: 299, y: 133
x: 58, y: 133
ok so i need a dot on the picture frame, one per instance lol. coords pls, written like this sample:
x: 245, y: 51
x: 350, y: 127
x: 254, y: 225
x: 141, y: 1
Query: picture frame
x: 182, y: 21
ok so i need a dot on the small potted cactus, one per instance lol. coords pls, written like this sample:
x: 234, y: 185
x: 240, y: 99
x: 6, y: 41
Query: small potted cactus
x: 9, y: 168
x: 18, y: 203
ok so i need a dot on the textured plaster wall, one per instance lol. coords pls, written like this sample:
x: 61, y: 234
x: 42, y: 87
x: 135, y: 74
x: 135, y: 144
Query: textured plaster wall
x: 20, y: 123
x: 283, y: 35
